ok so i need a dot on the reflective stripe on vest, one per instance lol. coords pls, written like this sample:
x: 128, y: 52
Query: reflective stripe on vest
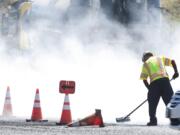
x: 167, y: 62
x: 143, y: 76
x: 161, y: 72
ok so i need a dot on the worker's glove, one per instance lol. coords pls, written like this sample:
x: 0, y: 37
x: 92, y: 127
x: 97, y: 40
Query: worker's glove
x: 176, y: 75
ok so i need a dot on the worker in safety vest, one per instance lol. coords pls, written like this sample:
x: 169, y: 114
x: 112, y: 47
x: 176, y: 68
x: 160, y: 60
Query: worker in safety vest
x: 159, y: 85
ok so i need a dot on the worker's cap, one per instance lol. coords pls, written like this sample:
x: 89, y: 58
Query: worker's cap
x: 146, y: 55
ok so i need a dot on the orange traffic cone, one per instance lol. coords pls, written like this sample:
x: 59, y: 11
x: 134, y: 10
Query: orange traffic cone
x: 94, y: 119
x: 66, y: 112
x: 36, y: 112
x: 7, y: 110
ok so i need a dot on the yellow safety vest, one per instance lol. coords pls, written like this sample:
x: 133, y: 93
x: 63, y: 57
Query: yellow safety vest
x: 154, y: 68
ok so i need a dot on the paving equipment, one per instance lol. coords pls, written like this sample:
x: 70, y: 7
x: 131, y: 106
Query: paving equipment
x: 13, y: 19
x: 173, y: 109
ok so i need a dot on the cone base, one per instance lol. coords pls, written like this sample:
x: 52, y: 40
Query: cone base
x: 61, y: 124
x: 30, y: 120
x: 91, y: 120
x: 102, y: 125
x: 76, y: 124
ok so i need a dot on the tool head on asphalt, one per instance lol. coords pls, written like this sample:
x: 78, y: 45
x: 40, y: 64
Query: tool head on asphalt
x: 126, y: 118
x: 123, y: 119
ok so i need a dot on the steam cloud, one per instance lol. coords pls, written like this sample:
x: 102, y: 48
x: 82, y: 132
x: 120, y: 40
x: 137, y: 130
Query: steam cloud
x: 101, y: 55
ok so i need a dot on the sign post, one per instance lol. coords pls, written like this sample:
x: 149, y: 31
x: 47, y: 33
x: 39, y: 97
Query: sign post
x: 66, y: 87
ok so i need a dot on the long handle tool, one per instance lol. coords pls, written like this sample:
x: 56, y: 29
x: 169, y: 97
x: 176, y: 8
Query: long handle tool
x: 126, y: 118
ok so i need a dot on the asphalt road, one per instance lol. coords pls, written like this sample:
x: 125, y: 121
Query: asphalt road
x: 20, y: 127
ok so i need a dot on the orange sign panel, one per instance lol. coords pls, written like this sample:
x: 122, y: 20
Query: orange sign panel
x: 67, y: 87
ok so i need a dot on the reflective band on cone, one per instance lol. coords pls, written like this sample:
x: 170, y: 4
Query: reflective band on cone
x: 7, y: 110
x: 66, y: 112
x: 36, y: 112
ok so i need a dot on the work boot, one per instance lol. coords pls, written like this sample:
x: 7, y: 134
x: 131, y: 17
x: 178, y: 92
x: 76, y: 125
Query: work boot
x: 152, y: 123
x: 174, y: 122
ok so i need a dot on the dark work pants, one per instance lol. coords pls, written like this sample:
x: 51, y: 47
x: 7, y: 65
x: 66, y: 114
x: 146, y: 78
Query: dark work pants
x: 158, y: 88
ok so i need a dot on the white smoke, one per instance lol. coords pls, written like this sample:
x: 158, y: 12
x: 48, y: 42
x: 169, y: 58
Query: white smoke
x: 101, y: 55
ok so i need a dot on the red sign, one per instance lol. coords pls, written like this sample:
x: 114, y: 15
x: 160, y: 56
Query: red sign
x: 67, y: 87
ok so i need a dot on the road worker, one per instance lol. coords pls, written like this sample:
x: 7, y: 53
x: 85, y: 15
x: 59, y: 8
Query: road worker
x: 159, y: 84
